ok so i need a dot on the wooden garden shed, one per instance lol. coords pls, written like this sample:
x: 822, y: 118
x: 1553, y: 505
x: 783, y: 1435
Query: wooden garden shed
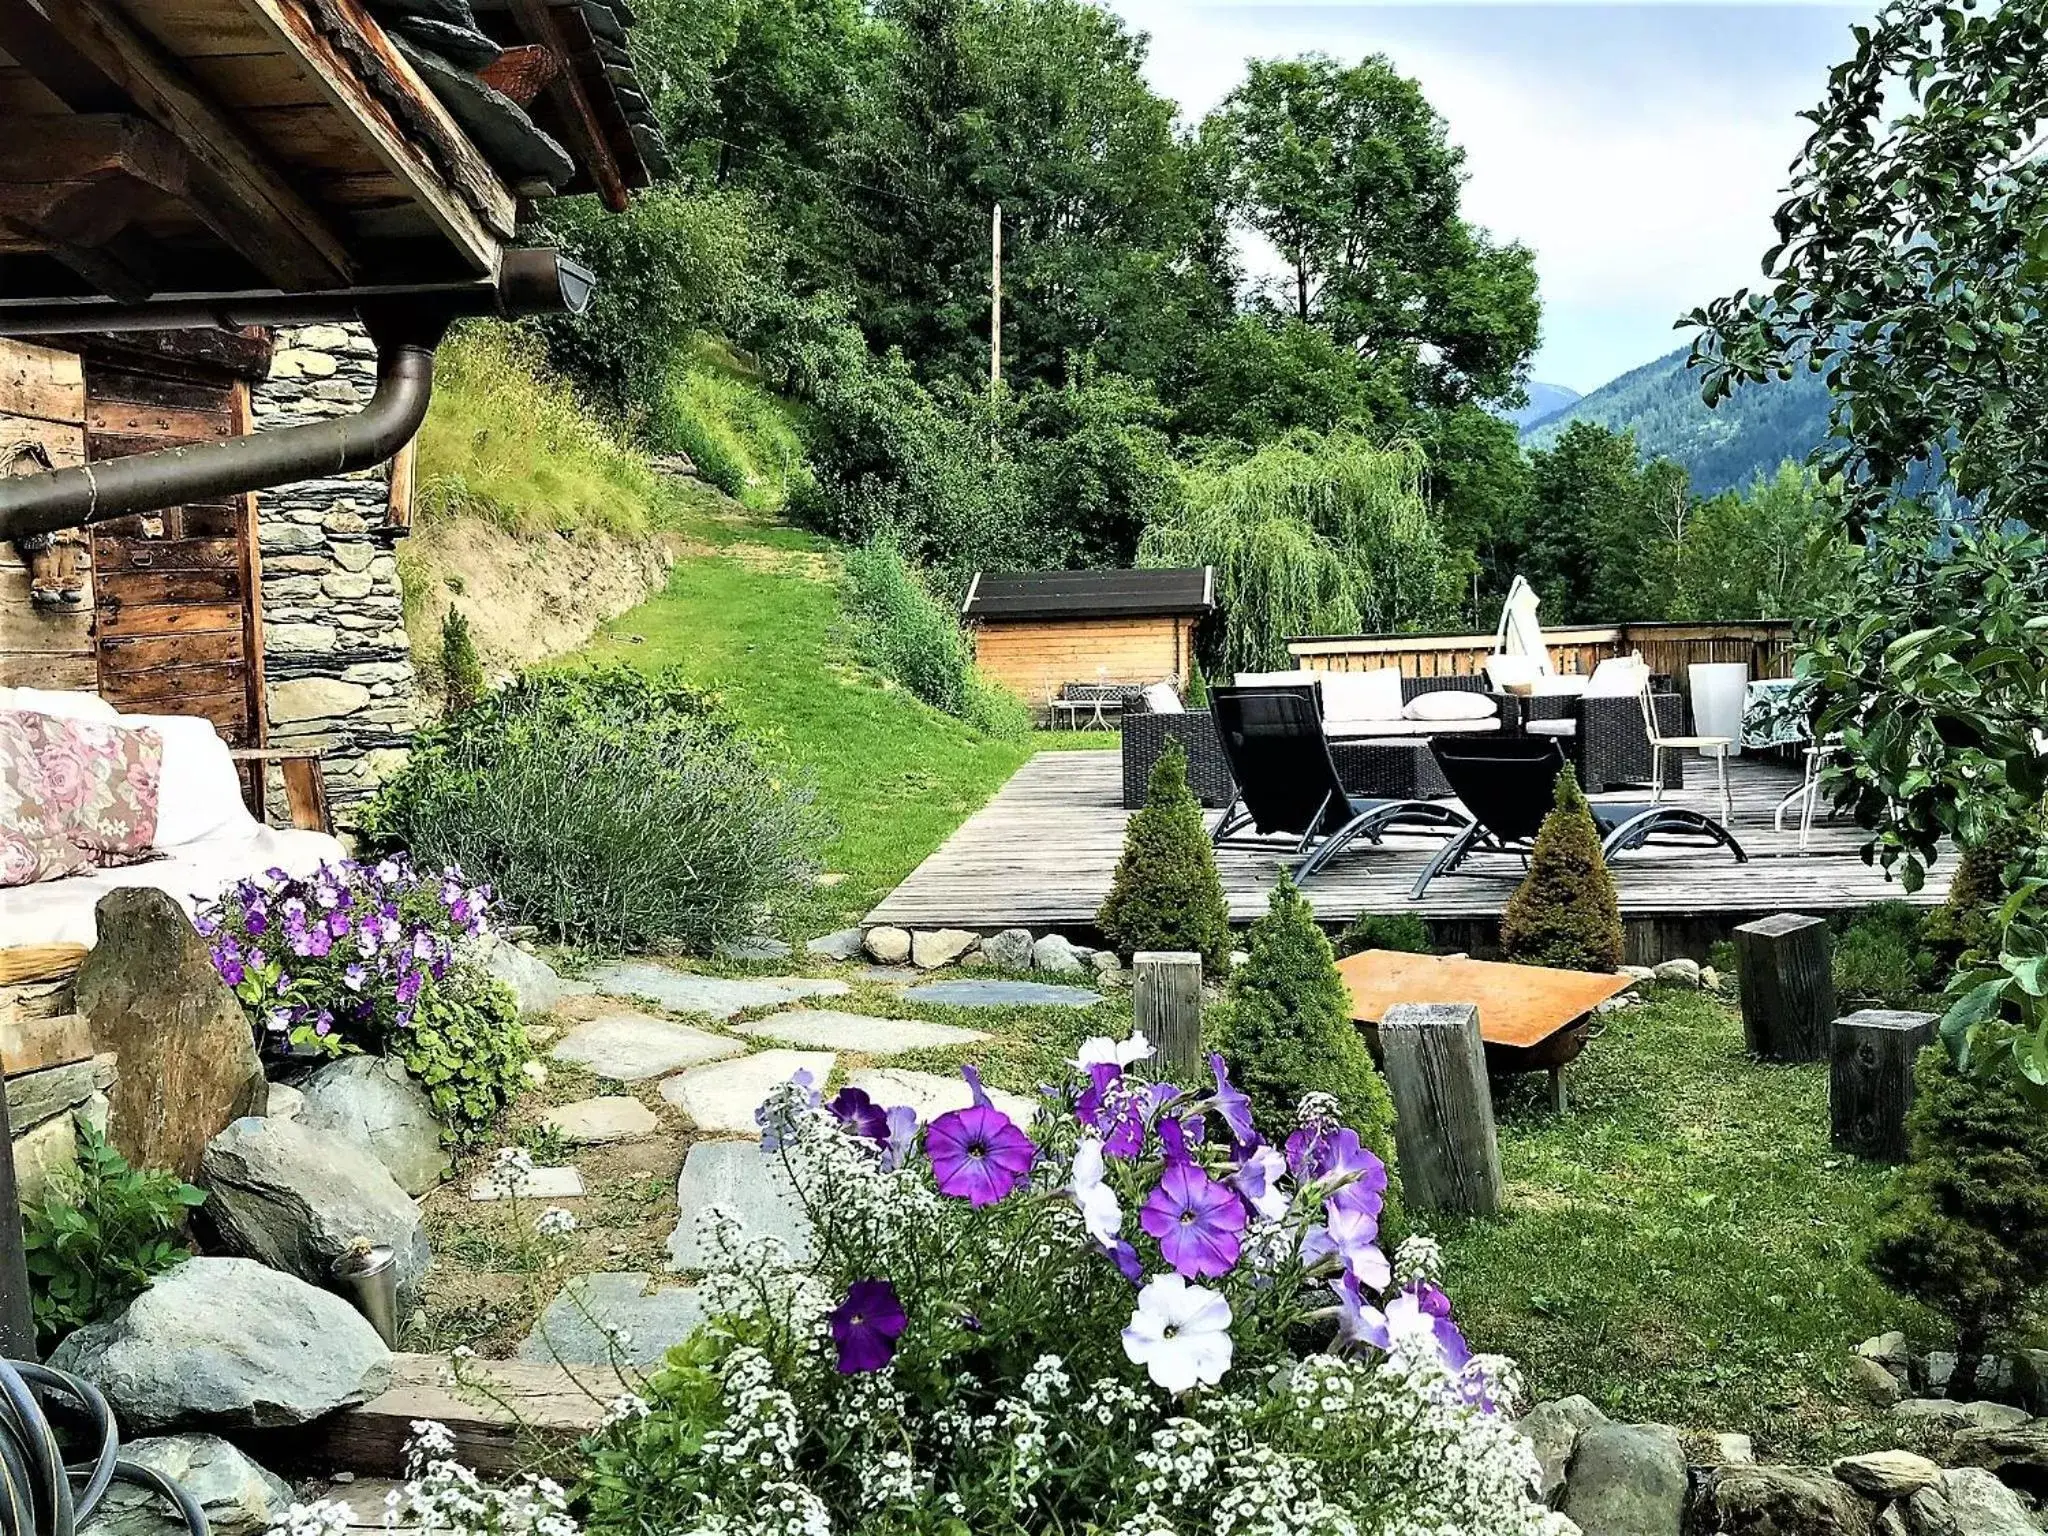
x: 1038, y: 630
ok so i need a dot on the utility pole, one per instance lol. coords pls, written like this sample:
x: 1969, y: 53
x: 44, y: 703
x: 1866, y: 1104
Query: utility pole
x: 995, y: 312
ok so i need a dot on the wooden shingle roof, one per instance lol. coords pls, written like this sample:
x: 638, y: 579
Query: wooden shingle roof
x: 1090, y: 594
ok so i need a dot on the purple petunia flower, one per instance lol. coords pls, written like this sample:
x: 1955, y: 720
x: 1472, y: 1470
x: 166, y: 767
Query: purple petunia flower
x: 900, y: 1137
x: 229, y: 964
x: 867, y: 1325
x: 1197, y: 1222
x: 978, y: 1154
x: 1257, y: 1177
x: 1125, y: 1258
x: 1232, y: 1105
x: 861, y: 1114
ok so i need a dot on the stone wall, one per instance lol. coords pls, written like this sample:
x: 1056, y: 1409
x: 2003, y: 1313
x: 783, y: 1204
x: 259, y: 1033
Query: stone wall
x: 337, y: 662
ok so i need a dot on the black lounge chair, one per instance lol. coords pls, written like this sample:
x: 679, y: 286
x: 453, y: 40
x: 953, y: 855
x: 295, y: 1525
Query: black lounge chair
x: 1509, y: 786
x: 1288, y: 785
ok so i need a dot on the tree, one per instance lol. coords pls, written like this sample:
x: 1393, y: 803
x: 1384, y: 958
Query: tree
x: 1600, y: 527
x: 1166, y: 894
x: 1565, y: 912
x: 1350, y: 174
x: 1771, y: 552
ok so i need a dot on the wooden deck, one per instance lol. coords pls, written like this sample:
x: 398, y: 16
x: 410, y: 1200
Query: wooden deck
x: 1041, y: 854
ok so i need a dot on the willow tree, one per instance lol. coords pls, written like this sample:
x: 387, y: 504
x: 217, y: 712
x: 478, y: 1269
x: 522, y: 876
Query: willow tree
x: 1311, y: 535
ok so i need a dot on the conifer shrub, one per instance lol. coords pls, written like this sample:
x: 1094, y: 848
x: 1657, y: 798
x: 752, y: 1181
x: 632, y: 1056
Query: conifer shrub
x: 462, y: 670
x: 1966, y: 921
x: 1167, y: 894
x: 1287, y: 1027
x: 1965, y: 1229
x: 1198, y: 687
x: 1401, y: 932
x: 1881, y: 960
x: 1565, y: 913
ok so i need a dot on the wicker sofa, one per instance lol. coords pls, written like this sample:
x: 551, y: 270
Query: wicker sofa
x: 1146, y: 734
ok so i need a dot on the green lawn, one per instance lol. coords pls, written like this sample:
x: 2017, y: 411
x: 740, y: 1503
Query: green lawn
x: 760, y: 621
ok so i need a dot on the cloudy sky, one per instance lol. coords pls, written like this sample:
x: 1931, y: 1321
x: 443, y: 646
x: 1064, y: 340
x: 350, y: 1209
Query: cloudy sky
x: 1638, y: 150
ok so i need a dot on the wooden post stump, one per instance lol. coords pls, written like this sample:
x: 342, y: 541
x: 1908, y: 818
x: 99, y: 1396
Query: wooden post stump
x: 1786, y: 967
x: 1443, y: 1108
x: 1870, y: 1081
x: 1166, y: 1007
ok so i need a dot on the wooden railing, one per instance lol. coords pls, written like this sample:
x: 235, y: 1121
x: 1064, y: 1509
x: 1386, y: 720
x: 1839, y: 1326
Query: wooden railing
x: 1766, y: 647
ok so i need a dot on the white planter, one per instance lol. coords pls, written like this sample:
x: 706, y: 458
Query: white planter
x: 1719, y: 690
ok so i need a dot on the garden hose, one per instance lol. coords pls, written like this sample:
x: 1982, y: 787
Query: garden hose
x: 42, y: 1496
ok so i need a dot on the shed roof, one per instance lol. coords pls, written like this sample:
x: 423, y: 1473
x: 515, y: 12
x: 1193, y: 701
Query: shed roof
x: 1090, y: 594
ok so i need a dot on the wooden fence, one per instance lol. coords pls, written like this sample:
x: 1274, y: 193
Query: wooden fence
x: 1766, y: 647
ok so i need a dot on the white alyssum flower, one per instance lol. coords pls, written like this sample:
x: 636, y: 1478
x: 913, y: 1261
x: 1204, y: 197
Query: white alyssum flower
x: 554, y: 1222
x: 1418, y: 1261
x: 1180, y: 1333
x: 323, y: 1517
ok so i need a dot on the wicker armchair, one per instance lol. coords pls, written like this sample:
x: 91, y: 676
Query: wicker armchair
x: 1609, y: 746
x: 1145, y: 736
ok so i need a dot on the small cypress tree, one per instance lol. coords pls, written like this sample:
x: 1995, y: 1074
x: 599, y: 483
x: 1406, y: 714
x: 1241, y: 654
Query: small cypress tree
x: 1965, y: 1229
x: 462, y: 671
x: 1166, y: 894
x: 1565, y: 912
x: 1198, y: 687
x: 1287, y: 1028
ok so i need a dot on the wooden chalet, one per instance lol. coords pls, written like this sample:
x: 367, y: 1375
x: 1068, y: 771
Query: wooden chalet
x: 1036, y: 631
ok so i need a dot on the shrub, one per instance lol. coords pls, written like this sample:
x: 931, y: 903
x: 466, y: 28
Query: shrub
x: 101, y: 1234
x: 1878, y: 957
x: 466, y: 1047
x: 903, y: 631
x: 1966, y: 1226
x: 734, y: 431
x: 1565, y: 912
x: 1198, y: 687
x: 608, y: 808
x: 1166, y: 894
x: 1968, y: 919
x: 1402, y: 932
x: 960, y: 1355
x: 462, y: 672
x: 1288, y: 1026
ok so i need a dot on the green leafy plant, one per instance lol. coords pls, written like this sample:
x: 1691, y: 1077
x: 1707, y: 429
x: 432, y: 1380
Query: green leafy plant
x: 902, y: 630
x: 1402, y: 932
x: 467, y: 1048
x: 1167, y: 894
x: 1565, y: 912
x: 1984, y: 877
x: 1288, y: 1031
x: 608, y: 808
x: 100, y: 1235
x: 1880, y: 957
x: 1966, y: 1229
x: 1999, y: 1017
x: 462, y: 670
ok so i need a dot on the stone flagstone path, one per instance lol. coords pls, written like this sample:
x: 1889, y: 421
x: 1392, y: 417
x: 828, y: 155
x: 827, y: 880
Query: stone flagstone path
x: 719, y: 996
x: 631, y: 1046
x: 825, y: 1030
x: 931, y: 1094
x: 572, y: 1329
x: 594, y: 1122
x: 720, y: 1099
x: 540, y: 1184
x: 1002, y: 994
x: 750, y: 1183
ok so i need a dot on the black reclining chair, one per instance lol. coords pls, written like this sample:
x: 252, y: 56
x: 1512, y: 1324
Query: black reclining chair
x: 1509, y: 784
x: 1287, y: 784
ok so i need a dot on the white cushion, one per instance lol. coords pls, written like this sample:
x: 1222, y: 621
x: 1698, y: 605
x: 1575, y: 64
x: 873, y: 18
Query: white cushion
x: 1618, y: 677
x: 201, y: 794
x: 1506, y: 672
x: 1349, y: 696
x: 1558, y: 685
x: 1552, y: 728
x: 1451, y: 704
x: 1279, y: 679
x: 1163, y: 699
x: 67, y: 703
x: 1366, y: 730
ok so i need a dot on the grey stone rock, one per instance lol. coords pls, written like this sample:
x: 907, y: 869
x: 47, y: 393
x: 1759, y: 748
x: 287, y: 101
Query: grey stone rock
x: 1888, y: 1350
x: 720, y: 1099
x: 762, y: 947
x: 743, y: 1179
x: 534, y: 1184
x: 2016, y: 1453
x: 35, y: 1097
x: 595, y: 1122
x: 932, y: 948
x: 887, y: 946
x: 719, y: 996
x: 1627, y: 1480
x: 2030, y: 1379
x: 605, y: 1317
x: 1553, y: 1429
x: 1885, y: 1475
x: 465, y: 46
x: 1054, y: 954
x: 1977, y: 1504
x: 297, y: 1198
x: 1678, y: 973
x: 1874, y: 1383
x: 42, y: 1155
x: 1941, y: 1414
x: 824, y: 1030
x: 1892, y: 1521
x: 631, y: 1046
x: 845, y: 944
x: 286, y: 1102
x: 375, y: 1100
x: 315, y: 698
x: 1782, y: 1501
x: 1105, y: 961
x: 238, y: 1496
x: 1002, y: 994
x: 1734, y: 1450
x: 1009, y: 950
x: 1998, y: 1378
x: 229, y: 1343
x: 535, y: 985
x: 1710, y: 979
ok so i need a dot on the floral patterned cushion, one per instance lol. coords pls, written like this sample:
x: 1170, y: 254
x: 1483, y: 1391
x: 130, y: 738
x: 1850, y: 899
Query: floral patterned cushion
x: 102, y: 783
x: 31, y: 846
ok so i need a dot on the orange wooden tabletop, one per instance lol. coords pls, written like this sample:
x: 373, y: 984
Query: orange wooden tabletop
x: 1519, y: 1005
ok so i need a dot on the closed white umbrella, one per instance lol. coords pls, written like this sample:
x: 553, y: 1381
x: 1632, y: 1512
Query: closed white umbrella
x: 1520, y: 633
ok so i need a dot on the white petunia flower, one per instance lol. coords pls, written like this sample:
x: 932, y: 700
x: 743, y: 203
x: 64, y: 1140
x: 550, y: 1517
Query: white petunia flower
x: 1180, y: 1333
x: 1100, y: 1211
x: 1100, y: 1050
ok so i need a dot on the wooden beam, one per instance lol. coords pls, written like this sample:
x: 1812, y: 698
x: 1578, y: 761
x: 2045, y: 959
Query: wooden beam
x: 277, y: 229
x: 587, y: 140
x: 520, y: 73
x: 466, y: 198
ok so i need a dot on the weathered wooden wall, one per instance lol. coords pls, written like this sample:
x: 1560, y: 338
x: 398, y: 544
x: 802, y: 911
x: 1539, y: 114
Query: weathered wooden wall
x: 1766, y: 647
x: 42, y: 401
x: 1033, y: 657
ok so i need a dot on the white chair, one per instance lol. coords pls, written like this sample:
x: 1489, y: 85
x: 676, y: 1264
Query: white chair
x: 1715, y: 747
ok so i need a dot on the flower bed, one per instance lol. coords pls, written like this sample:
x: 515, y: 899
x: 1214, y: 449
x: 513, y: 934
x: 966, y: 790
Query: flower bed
x: 1139, y: 1317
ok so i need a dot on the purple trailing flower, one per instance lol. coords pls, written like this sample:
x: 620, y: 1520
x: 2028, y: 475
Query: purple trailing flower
x: 977, y: 1153
x: 1125, y: 1258
x: 229, y: 964
x: 1350, y: 1235
x: 861, y: 1115
x: 1230, y: 1102
x: 1338, y: 1158
x: 866, y: 1326
x: 900, y: 1137
x: 1198, y: 1223
x: 1257, y: 1178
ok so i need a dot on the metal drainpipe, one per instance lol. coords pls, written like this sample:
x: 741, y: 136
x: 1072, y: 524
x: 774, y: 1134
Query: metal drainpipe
x: 406, y: 331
